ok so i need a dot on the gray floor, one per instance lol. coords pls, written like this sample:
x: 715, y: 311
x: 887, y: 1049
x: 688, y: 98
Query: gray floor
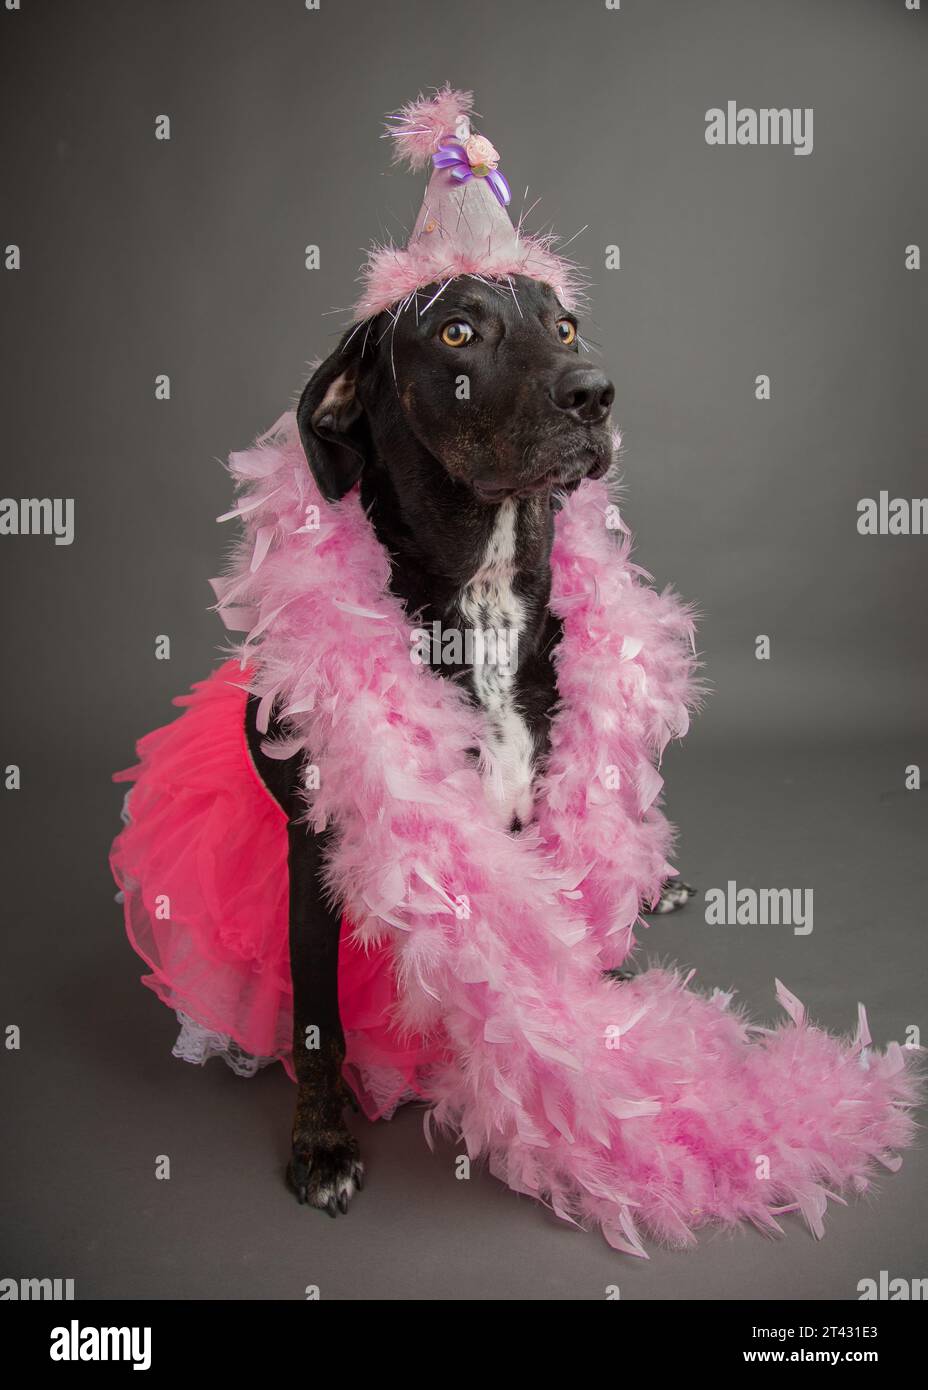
x: 96, y: 1095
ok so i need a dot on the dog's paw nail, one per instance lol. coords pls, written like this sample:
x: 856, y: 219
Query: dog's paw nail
x: 343, y: 1203
x: 296, y: 1181
x: 330, y: 1206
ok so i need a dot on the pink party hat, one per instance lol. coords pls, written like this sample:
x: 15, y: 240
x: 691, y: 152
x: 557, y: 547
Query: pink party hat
x: 463, y: 227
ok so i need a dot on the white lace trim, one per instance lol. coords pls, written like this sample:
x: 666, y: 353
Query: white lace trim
x: 197, y: 1044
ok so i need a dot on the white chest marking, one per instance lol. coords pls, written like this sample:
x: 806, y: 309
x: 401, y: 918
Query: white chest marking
x: 496, y: 616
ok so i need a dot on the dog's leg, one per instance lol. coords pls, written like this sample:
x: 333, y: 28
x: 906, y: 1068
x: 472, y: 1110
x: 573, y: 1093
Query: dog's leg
x: 325, y: 1168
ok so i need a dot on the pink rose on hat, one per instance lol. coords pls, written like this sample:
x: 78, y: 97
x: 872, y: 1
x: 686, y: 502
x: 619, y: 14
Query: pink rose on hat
x: 480, y: 153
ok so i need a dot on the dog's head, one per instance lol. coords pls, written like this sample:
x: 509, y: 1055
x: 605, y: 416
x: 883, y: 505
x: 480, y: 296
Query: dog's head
x: 480, y: 381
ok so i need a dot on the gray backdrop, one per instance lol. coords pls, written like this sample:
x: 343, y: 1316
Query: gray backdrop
x: 141, y: 257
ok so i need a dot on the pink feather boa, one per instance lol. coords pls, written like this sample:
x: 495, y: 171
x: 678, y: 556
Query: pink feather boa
x: 638, y: 1106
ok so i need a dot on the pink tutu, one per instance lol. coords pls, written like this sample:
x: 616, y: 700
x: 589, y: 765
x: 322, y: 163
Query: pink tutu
x: 202, y: 864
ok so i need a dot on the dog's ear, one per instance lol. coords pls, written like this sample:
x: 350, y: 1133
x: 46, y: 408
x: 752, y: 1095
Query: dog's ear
x: 331, y: 420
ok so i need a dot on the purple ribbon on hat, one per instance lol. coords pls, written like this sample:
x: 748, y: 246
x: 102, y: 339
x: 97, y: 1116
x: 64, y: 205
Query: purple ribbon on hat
x: 475, y: 159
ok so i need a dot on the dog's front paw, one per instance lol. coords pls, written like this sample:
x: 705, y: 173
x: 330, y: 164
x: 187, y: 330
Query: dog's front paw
x: 674, y: 894
x: 325, y: 1169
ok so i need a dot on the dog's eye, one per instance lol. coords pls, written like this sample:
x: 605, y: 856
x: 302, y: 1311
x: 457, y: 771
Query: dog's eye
x: 456, y: 334
x: 567, y: 332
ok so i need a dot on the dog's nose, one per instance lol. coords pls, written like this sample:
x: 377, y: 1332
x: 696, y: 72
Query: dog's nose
x: 585, y: 393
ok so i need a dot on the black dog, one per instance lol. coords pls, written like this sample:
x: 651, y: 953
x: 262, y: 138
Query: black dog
x: 463, y: 419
